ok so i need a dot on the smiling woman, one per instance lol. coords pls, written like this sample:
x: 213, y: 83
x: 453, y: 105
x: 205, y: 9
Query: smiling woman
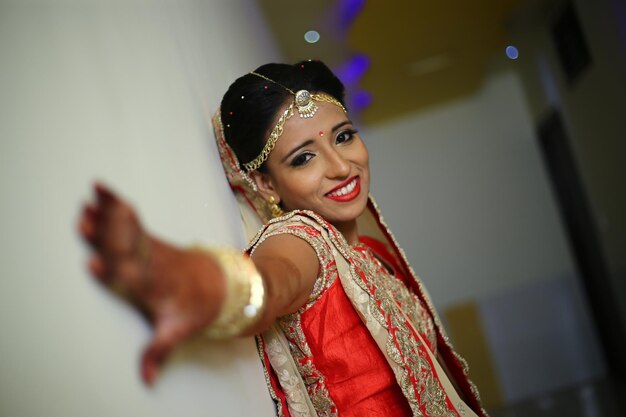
x: 325, y: 174
x: 344, y: 326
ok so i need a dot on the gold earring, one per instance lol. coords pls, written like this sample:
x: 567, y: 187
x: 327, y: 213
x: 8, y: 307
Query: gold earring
x: 275, y: 209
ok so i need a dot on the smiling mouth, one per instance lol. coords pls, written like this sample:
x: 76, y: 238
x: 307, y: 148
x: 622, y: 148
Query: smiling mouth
x: 346, y: 191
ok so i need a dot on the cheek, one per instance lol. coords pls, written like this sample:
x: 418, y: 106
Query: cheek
x: 363, y: 155
x: 299, y: 187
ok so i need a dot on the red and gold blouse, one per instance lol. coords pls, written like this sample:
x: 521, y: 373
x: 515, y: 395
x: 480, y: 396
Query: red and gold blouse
x: 346, y: 365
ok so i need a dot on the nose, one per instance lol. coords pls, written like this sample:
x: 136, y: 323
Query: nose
x: 338, y: 165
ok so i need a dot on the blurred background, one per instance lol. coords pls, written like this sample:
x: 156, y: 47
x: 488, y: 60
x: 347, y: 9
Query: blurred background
x: 496, y: 132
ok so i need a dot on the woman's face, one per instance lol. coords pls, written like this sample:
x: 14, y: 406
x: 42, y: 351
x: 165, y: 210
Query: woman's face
x: 319, y: 164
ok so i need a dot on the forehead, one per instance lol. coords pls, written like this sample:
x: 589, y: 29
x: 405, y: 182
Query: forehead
x: 298, y: 129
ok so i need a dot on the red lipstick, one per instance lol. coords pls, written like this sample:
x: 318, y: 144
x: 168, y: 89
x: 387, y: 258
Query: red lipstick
x: 346, y: 191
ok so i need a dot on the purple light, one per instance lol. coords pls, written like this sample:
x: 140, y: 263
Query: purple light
x: 348, y: 11
x: 353, y: 70
x: 360, y: 100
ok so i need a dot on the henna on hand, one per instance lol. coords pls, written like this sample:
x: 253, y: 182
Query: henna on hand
x: 180, y: 291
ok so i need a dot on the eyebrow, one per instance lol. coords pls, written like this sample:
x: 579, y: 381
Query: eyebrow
x: 311, y: 141
x: 297, y: 148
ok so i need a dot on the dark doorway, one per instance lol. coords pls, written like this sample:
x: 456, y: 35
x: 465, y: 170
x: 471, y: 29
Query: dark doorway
x: 584, y: 241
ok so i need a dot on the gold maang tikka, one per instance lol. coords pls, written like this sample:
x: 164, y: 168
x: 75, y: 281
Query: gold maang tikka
x: 304, y: 102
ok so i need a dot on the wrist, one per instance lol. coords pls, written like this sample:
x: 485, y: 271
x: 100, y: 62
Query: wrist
x: 243, y: 304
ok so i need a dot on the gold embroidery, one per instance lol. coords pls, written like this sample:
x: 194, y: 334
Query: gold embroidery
x: 427, y: 301
x: 411, y: 304
x: 291, y: 325
x: 388, y: 299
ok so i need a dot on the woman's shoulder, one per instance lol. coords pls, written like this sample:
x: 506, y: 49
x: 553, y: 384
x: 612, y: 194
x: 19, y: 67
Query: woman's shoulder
x: 305, y: 224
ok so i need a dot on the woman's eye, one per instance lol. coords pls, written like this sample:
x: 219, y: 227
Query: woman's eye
x: 301, y: 159
x: 345, y: 136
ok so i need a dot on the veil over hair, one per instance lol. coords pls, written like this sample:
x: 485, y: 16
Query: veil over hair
x: 254, y: 210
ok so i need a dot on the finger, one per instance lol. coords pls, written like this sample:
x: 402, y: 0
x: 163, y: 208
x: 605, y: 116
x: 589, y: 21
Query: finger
x: 103, y: 190
x: 87, y: 224
x: 90, y: 211
x: 86, y: 228
x: 164, y: 341
x: 117, y: 229
x: 104, y: 193
x: 96, y: 267
x: 117, y: 234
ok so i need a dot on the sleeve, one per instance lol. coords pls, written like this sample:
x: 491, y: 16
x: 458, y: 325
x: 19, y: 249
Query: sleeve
x: 314, y: 235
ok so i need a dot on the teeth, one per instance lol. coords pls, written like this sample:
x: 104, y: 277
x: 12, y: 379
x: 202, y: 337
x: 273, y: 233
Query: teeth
x: 344, y: 190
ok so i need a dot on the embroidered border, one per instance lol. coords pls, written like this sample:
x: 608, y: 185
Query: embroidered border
x: 426, y: 299
x: 411, y: 304
x: 313, y: 379
x: 279, y: 405
x: 417, y: 380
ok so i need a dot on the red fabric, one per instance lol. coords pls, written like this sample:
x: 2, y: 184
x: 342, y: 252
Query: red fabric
x: 357, y: 375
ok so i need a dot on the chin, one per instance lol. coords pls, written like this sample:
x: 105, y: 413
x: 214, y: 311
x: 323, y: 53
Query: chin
x: 348, y: 214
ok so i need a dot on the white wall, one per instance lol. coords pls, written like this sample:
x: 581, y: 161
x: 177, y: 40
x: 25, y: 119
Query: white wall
x: 119, y: 91
x: 465, y: 191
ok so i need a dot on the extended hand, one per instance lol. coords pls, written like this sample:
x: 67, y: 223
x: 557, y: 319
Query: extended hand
x: 179, y: 291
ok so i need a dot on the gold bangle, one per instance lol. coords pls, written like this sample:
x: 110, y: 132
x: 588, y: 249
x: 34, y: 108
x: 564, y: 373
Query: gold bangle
x: 244, y: 295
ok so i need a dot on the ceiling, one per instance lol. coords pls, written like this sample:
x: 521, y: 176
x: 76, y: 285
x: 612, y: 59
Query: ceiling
x: 418, y: 53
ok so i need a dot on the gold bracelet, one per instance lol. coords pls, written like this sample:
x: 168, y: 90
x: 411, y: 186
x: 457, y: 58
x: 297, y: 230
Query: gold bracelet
x: 244, y: 295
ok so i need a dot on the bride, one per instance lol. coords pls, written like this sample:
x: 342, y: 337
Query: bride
x: 343, y: 324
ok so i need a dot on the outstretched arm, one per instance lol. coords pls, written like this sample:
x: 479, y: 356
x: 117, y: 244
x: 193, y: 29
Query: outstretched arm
x: 182, y: 291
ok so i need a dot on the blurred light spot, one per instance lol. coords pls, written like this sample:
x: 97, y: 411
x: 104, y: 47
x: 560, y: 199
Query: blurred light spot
x: 349, y: 10
x: 312, y: 36
x: 512, y: 52
x: 360, y: 100
x: 351, y: 72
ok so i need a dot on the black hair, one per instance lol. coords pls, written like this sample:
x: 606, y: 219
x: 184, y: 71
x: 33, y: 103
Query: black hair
x: 250, y: 107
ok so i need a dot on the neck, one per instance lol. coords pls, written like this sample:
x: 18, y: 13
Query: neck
x: 349, y: 230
